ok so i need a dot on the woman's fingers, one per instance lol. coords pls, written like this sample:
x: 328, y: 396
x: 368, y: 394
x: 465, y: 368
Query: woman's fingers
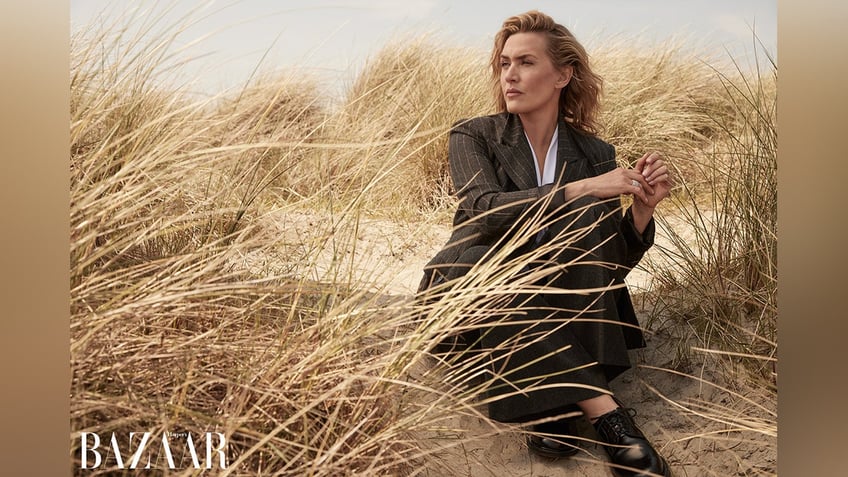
x: 655, y: 169
x: 654, y: 176
x: 649, y: 176
x: 660, y: 178
x: 629, y: 181
x: 638, y: 185
x: 652, y: 157
x: 641, y: 162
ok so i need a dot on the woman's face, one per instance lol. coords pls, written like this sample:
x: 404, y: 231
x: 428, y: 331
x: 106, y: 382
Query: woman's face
x: 529, y: 80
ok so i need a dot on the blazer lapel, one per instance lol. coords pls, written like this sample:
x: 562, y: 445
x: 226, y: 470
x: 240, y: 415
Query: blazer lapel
x: 514, y: 154
x: 571, y: 162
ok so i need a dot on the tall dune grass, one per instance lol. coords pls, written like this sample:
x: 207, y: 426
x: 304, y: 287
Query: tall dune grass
x: 188, y: 316
x: 726, y: 281
x: 394, y: 123
x: 717, y: 277
x: 201, y: 301
x: 661, y: 97
x: 280, y: 115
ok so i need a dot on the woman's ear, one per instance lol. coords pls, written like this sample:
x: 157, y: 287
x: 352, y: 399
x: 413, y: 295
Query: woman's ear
x: 565, y: 76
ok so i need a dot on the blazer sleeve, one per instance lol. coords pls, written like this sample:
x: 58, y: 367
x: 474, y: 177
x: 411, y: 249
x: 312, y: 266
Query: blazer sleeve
x: 482, y: 193
x: 636, y: 243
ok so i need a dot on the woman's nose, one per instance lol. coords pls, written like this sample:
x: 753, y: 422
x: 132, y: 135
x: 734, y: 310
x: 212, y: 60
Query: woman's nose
x: 510, y: 73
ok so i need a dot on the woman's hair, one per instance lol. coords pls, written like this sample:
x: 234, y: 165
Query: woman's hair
x: 580, y: 100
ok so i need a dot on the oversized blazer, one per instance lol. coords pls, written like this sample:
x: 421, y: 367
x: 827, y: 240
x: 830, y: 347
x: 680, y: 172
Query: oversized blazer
x: 492, y: 169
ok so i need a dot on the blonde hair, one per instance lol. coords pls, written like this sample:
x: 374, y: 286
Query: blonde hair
x: 579, y: 102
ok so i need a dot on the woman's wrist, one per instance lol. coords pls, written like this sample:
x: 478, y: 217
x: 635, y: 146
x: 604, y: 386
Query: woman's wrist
x: 575, y: 189
x: 642, y: 215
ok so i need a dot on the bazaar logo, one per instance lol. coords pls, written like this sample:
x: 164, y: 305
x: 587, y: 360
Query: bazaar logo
x: 142, y: 444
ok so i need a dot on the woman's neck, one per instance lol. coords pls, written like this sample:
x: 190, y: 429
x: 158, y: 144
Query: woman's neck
x: 539, y: 129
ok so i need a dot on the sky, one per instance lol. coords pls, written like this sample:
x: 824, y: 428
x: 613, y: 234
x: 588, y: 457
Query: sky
x: 332, y: 39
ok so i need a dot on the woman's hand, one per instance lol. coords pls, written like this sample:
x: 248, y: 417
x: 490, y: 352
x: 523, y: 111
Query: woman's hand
x: 648, y: 182
x: 653, y: 169
x: 611, y: 184
x: 655, y: 172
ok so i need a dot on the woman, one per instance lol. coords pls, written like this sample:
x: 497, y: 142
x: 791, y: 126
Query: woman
x: 540, y: 158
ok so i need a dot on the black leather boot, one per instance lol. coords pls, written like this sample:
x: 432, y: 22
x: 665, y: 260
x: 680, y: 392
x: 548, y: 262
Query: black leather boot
x: 559, y: 440
x: 628, y: 447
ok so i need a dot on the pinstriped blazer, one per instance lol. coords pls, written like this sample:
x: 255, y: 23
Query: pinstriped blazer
x: 492, y: 169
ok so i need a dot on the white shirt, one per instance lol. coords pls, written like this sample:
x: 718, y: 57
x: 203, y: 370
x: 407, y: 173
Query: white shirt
x: 546, y: 176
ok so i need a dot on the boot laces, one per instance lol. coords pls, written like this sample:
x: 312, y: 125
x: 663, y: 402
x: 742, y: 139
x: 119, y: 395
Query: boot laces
x: 619, y: 423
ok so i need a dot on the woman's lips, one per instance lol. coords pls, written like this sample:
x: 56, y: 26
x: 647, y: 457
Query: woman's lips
x: 512, y: 92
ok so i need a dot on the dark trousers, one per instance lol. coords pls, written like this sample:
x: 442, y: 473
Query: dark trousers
x: 553, y: 345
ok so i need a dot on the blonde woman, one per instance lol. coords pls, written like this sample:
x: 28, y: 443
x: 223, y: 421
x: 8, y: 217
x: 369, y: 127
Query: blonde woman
x: 541, y: 153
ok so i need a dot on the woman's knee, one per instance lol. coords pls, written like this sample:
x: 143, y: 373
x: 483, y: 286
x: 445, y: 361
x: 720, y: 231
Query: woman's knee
x: 590, y: 224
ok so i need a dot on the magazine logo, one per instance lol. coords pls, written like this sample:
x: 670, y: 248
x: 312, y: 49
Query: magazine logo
x: 141, y: 450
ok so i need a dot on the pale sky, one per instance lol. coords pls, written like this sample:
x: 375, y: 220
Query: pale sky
x: 332, y: 39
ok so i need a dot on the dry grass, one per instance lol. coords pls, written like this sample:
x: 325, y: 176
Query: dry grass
x: 662, y: 98
x: 718, y: 275
x: 281, y: 116
x: 189, y: 314
x: 392, y: 127
x: 726, y: 278
x: 174, y: 325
